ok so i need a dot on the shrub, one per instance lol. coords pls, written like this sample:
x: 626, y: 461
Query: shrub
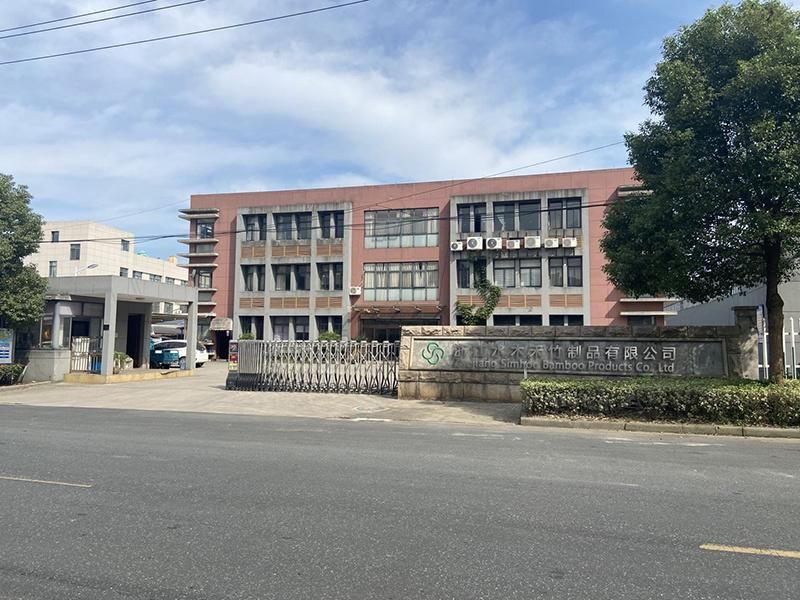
x: 247, y: 336
x: 703, y: 400
x: 9, y: 374
x: 329, y: 336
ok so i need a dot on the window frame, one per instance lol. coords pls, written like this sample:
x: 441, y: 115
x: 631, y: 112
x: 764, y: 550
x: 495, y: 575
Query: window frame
x: 555, y: 265
x: 74, y: 251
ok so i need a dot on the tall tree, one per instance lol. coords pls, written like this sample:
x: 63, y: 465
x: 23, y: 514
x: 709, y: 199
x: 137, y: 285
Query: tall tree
x: 720, y: 160
x: 21, y: 288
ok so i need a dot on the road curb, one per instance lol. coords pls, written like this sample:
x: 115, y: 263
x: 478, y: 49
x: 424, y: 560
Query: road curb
x: 656, y: 427
x: 23, y: 386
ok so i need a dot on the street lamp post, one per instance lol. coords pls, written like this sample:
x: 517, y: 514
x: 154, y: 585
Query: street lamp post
x: 91, y: 266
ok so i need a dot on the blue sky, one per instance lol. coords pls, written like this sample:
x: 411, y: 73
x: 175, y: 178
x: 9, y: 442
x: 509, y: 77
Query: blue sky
x: 382, y: 92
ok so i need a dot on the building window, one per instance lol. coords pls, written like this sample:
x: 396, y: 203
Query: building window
x: 168, y: 308
x: 155, y: 278
x: 302, y: 276
x: 125, y: 245
x: 517, y: 320
x: 205, y: 230
x: 504, y: 217
x: 642, y: 321
x: 331, y: 224
x: 255, y: 227
x: 529, y: 215
x: 574, y: 271
x: 564, y: 212
x: 566, y: 320
x: 123, y: 272
x: 530, y: 272
x: 283, y: 226
x: 556, y: 272
x: 170, y: 280
x: 303, y: 221
x: 471, y: 218
x: 530, y: 320
x: 204, y: 279
x: 54, y: 236
x: 330, y: 276
x: 329, y: 323
x: 468, y: 272
x: 504, y: 273
x: 408, y: 228
x: 254, y: 325
x: 555, y: 216
x: 74, y: 251
x: 137, y: 274
x: 290, y: 328
x: 573, y: 213
x: 53, y: 269
x: 283, y: 277
x: 505, y: 320
x: 385, y: 282
x: 254, y: 277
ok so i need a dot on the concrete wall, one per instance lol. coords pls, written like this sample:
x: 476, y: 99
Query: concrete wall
x: 47, y: 365
x: 739, y: 355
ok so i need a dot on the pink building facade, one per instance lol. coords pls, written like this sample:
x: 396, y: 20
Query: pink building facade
x: 363, y: 261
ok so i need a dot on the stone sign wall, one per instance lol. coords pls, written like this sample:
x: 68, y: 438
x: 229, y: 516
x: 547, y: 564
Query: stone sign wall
x: 487, y: 363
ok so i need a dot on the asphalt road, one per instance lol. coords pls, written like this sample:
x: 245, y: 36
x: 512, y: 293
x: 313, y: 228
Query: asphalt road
x: 181, y: 505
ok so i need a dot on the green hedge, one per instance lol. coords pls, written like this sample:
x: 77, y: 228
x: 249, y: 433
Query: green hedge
x: 9, y: 374
x: 735, y: 401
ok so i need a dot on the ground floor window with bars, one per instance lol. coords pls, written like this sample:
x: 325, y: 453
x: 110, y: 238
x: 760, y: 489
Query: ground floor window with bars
x: 386, y: 282
x: 329, y: 323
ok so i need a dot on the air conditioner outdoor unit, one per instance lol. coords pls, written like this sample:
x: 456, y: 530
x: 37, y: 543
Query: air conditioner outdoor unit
x: 474, y: 243
x: 494, y: 243
x: 512, y: 244
x: 355, y: 290
x: 533, y: 241
x: 551, y: 243
x: 569, y: 242
x: 456, y: 246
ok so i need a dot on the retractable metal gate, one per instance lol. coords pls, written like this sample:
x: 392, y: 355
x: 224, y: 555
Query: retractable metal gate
x: 335, y: 367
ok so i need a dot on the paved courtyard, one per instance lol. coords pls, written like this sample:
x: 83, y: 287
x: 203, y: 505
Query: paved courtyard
x: 206, y: 393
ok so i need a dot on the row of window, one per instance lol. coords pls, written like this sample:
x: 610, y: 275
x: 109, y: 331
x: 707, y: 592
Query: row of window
x: 290, y: 328
x: 123, y: 272
x: 294, y: 226
x: 524, y: 215
x: 419, y: 227
x: 525, y: 272
x: 385, y: 282
x: 290, y: 277
x: 75, y: 249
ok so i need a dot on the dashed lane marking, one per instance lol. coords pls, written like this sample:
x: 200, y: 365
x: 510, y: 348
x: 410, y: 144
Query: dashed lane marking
x: 756, y: 551
x: 45, y: 481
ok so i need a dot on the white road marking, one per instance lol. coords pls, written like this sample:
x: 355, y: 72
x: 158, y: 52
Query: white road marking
x: 45, y: 481
x: 368, y: 419
x: 757, y: 551
x: 479, y: 435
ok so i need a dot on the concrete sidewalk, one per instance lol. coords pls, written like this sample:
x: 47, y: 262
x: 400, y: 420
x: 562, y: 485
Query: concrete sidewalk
x: 206, y: 393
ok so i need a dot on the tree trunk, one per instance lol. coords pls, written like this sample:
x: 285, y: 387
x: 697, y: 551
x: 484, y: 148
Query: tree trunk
x: 774, y: 314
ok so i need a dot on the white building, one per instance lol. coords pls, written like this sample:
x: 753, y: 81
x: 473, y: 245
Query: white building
x: 72, y: 248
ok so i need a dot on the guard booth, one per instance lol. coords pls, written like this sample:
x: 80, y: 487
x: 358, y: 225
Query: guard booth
x: 87, y: 319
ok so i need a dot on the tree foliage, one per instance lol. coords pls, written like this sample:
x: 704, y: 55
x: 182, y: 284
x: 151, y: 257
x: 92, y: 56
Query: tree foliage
x: 490, y: 295
x: 21, y: 288
x: 720, y: 159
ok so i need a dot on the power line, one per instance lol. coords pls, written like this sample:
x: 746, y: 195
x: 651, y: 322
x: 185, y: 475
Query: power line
x: 111, y: 18
x: 446, y: 186
x: 186, y: 34
x: 88, y: 14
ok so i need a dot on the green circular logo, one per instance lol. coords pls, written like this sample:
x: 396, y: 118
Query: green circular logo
x: 432, y: 353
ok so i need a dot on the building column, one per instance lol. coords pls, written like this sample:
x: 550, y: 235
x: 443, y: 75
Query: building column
x: 147, y: 329
x: 109, y: 333
x: 191, y: 336
x: 55, y: 334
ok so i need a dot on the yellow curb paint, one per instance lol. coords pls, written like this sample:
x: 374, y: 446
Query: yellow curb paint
x: 757, y: 551
x: 64, y: 483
